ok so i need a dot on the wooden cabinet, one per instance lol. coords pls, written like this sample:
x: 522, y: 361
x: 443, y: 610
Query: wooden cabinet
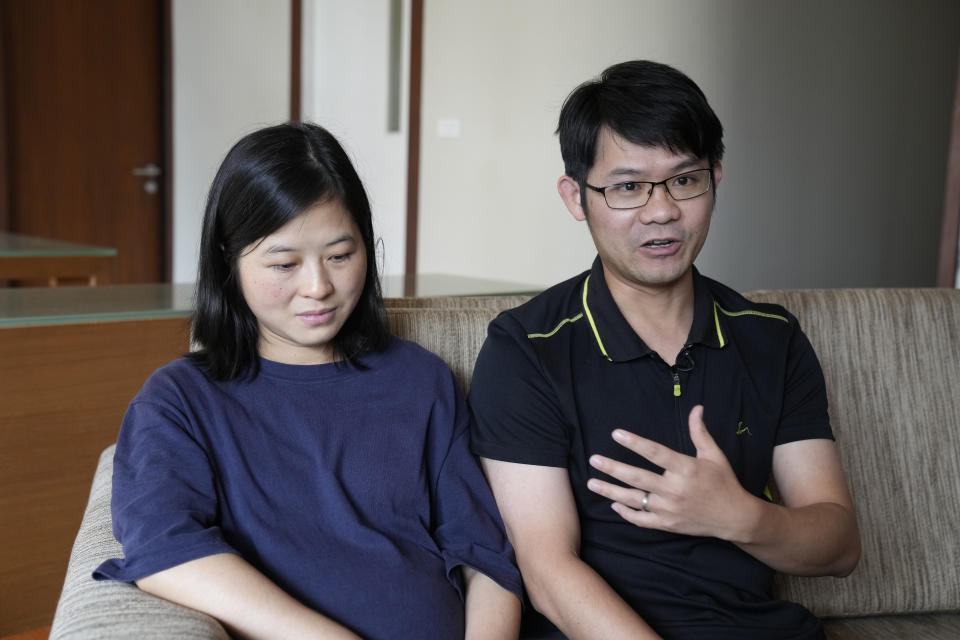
x: 67, y: 372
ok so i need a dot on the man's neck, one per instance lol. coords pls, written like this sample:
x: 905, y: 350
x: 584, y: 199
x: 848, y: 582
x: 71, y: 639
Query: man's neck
x: 660, y: 315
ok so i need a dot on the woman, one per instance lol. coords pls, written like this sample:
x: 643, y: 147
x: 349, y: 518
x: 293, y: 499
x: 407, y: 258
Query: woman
x: 303, y: 473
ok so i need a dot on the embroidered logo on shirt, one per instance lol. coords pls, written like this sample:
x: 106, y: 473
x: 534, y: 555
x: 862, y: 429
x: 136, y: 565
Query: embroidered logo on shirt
x: 741, y: 429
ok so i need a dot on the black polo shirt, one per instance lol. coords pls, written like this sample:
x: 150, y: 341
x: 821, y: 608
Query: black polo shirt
x: 559, y: 373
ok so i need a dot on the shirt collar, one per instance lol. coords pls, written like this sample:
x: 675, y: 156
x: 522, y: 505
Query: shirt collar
x: 617, y: 340
x: 709, y: 325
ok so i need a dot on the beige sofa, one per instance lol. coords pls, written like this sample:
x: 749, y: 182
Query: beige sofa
x: 892, y: 363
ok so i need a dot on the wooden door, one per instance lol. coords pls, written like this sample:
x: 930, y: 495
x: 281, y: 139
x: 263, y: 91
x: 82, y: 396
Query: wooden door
x: 84, y: 114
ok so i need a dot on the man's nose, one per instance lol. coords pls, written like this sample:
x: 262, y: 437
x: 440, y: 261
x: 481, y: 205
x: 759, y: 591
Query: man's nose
x: 660, y: 208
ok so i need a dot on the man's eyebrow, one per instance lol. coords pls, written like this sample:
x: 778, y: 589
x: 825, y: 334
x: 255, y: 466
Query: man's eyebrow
x: 687, y: 164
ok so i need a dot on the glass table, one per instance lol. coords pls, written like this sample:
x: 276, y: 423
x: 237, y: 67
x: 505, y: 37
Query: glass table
x: 33, y: 259
x: 36, y: 306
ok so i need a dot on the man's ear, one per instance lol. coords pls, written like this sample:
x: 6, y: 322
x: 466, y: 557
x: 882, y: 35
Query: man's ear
x: 570, y: 193
x: 717, y: 174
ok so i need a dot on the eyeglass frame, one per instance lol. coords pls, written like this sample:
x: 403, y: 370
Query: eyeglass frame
x: 653, y: 185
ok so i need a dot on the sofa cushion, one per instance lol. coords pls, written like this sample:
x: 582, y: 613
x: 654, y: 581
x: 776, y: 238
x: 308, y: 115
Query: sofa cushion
x: 929, y: 626
x: 891, y: 358
x: 90, y: 610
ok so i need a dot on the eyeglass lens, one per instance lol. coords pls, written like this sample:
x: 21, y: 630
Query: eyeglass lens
x: 628, y: 195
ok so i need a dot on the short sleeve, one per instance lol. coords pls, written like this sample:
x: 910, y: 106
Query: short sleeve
x: 804, y: 415
x: 468, y: 528
x: 516, y: 416
x: 164, y: 502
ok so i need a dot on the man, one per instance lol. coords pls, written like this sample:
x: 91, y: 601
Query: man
x: 628, y: 419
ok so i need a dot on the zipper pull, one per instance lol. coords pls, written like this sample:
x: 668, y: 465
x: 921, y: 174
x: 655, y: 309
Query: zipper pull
x: 686, y: 367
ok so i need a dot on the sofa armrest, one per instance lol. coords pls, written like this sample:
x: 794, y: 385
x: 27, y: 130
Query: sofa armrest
x: 89, y: 609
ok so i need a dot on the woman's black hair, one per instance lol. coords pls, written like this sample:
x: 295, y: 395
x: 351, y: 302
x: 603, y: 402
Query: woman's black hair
x: 267, y: 179
x: 646, y: 103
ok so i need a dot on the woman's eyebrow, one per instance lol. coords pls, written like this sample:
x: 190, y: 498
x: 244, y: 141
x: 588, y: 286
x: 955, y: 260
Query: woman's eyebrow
x: 282, y: 248
x: 344, y: 238
x: 279, y: 248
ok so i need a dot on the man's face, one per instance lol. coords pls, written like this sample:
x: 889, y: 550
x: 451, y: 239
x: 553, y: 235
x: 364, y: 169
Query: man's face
x: 649, y: 247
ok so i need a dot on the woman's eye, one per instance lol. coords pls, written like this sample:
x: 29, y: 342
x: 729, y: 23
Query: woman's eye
x: 283, y: 267
x: 340, y: 257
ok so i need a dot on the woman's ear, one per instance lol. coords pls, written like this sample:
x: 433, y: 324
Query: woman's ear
x: 571, y: 195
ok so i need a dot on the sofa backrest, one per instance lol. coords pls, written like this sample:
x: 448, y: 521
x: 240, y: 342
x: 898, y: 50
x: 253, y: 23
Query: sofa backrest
x: 454, y: 328
x: 498, y: 303
x: 891, y: 358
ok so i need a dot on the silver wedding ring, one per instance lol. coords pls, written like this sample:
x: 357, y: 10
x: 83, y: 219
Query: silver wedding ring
x: 644, y: 501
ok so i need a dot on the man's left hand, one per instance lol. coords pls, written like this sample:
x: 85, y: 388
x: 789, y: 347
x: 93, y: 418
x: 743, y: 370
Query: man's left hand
x: 698, y: 496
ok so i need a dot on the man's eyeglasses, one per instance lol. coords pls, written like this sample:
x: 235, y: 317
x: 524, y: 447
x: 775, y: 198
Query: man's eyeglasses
x: 633, y: 194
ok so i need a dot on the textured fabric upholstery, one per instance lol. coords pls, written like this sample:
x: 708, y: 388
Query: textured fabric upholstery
x: 892, y: 363
x: 458, y: 302
x: 906, y: 627
x: 455, y: 335
x: 90, y: 610
x: 891, y: 359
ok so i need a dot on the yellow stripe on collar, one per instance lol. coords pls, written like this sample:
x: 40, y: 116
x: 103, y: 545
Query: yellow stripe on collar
x: 748, y: 312
x: 734, y: 314
x: 716, y: 322
x: 556, y: 328
x: 593, y: 325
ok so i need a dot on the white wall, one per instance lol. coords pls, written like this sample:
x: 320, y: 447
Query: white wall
x: 231, y: 61
x: 345, y: 80
x: 836, y: 117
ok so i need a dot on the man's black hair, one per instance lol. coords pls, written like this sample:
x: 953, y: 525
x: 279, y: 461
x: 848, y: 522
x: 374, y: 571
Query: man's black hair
x: 646, y: 103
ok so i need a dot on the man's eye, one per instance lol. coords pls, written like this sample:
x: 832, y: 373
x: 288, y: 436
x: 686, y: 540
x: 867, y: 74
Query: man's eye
x: 627, y: 187
x: 689, y: 180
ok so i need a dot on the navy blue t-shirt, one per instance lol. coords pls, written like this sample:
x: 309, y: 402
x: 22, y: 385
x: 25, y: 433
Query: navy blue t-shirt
x: 352, y: 489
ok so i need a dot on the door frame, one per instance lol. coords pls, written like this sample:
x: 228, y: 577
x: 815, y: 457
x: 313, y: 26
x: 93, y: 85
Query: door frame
x: 413, y: 121
x: 296, y: 56
x: 166, y: 142
x: 950, y: 231
x: 4, y: 159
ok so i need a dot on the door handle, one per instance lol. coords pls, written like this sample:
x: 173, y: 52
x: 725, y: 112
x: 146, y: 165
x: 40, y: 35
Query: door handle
x: 148, y: 171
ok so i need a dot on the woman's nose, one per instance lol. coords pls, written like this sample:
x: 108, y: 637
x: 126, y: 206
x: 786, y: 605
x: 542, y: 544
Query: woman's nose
x: 316, y: 282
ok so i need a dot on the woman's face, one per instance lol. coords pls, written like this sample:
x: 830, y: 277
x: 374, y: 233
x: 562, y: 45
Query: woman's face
x: 303, y: 281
